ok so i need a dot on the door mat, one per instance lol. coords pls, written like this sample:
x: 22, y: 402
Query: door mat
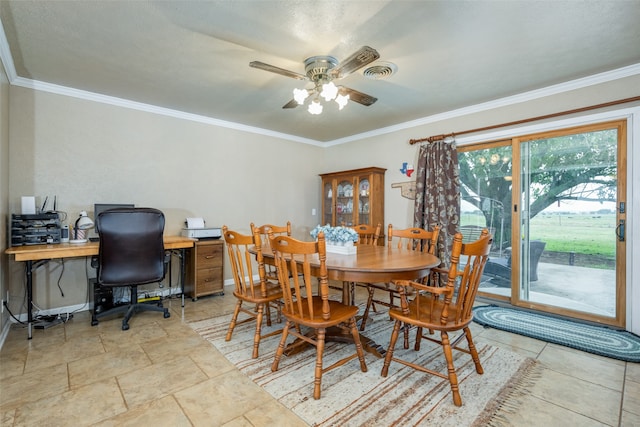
x: 600, y: 340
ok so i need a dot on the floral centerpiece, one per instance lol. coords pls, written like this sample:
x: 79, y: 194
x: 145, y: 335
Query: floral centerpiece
x: 339, y: 239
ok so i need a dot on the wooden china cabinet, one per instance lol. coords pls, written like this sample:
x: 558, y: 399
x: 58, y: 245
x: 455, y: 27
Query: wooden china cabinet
x: 353, y: 197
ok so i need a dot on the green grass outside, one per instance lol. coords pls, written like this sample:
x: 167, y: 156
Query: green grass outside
x: 589, y: 234
x: 580, y: 233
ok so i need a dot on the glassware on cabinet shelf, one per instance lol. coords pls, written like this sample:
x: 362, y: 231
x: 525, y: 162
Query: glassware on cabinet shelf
x: 364, y: 188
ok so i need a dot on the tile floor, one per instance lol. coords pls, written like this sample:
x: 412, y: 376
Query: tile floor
x: 161, y: 373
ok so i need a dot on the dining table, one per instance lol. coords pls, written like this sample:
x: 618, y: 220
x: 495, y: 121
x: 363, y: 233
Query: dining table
x: 370, y: 264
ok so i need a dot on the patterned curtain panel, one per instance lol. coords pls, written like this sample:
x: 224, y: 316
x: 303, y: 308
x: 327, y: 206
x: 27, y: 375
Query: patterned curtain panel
x: 438, y: 192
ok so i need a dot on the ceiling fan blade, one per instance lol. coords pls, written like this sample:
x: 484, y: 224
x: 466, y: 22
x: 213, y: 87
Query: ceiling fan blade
x: 277, y: 70
x: 359, y: 97
x: 363, y: 56
x: 291, y: 104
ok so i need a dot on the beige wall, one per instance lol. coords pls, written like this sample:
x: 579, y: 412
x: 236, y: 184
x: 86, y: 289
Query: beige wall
x: 4, y: 189
x: 85, y: 152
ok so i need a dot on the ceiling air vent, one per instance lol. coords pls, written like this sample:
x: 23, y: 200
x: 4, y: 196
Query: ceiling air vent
x: 380, y: 70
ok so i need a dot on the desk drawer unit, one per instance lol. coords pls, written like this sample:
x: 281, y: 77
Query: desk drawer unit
x: 204, y: 269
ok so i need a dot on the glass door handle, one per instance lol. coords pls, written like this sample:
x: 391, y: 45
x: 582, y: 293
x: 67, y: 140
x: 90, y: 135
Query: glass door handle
x: 620, y: 230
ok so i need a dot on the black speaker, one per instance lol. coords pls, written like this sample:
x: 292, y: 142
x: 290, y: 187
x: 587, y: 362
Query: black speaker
x: 102, y: 298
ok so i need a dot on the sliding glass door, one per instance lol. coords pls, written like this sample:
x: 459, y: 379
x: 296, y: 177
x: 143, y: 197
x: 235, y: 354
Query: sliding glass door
x: 486, y: 200
x: 563, y: 250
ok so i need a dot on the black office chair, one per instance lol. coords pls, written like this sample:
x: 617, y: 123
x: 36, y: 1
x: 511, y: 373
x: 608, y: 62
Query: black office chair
x: 131, y: 254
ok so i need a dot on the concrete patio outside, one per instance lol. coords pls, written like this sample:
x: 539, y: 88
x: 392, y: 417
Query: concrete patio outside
x: 590, y: 290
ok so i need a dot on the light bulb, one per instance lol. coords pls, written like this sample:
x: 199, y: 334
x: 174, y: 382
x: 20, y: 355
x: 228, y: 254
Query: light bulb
x: 329, y: 91
x: 315, y: 107
x: 300, y: 95
x: 342, y: 100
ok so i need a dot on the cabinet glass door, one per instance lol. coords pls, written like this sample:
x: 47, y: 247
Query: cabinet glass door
x: 328, y: 203
x: 364, y: 202
x: 344, y: 203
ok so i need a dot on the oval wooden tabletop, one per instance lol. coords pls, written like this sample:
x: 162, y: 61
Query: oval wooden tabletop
x: 374, y: 264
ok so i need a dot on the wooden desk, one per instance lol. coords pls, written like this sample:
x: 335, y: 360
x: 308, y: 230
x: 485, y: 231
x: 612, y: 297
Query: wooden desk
x: 371, y: 264
x: 37, y: 255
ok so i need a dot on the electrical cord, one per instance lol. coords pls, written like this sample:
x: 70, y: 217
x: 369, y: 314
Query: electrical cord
x: 11, y: 314
x: 48, y: 318
x: 62, y: 215
x: 60, y: 277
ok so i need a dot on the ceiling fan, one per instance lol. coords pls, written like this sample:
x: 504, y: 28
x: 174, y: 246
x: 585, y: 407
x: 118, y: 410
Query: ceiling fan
x: 322, y: 71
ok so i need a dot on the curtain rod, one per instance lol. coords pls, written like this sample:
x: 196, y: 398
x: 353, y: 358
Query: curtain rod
x: 532, y: 119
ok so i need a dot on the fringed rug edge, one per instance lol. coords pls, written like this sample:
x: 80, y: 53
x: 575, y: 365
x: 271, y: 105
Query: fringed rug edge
x: 509, y: 399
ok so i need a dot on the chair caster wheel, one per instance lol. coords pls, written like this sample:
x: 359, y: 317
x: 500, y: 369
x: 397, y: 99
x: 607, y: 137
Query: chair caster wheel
x: 125, y: 326
x: 167, y: 314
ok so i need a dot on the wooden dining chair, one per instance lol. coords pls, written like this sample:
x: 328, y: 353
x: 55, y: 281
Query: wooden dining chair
x: 443, y: 308
x: 277, y: 230
x: 262, y: 293
x: 413, y: 238
x: 367, y: 235
x: 313, y: 309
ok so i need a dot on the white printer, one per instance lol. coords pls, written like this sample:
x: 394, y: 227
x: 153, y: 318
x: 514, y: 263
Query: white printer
x: 195, y: 228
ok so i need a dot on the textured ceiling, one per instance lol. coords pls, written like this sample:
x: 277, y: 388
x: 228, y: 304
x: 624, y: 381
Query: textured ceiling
x: 193, y: 56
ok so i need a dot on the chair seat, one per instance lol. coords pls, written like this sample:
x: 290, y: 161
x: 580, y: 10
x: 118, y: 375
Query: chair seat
x: 274, y: 292
x: 426, y: 313
x: 340, y: 313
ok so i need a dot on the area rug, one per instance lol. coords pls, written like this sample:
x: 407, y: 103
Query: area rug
x: 598, y: 340
x: 353, y: 398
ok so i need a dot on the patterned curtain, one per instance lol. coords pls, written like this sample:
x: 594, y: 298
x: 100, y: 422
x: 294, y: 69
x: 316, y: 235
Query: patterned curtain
x: 438, y: 193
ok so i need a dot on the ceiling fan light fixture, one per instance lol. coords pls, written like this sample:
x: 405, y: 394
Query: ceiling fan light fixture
x: 300, y: 95
x: 320, y: 71
x: 329, y: 91
x: 315, y: 107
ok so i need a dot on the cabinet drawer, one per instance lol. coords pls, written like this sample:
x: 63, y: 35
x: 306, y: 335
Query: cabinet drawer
x: 205, y: 269
x: 209, y: 256
x: 209, y: 280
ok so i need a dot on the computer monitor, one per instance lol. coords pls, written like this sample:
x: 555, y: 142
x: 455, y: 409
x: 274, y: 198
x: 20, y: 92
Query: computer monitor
x: 101, y: 207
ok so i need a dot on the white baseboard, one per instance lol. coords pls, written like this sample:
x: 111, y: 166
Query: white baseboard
x: 4, y: 333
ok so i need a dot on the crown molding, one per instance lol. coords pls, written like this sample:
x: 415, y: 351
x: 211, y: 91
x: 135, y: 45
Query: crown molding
x: 7, y: 60
x: 125, y: 103
x: 595, y: 79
